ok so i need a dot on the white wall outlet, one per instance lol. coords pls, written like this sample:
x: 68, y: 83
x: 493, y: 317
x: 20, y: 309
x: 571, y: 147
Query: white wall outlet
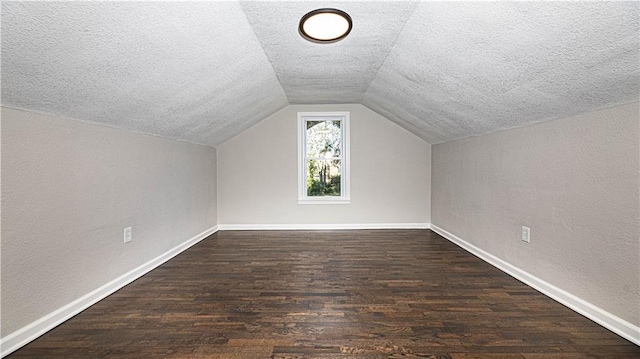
x: 127, y: 235
x: 526, y: 232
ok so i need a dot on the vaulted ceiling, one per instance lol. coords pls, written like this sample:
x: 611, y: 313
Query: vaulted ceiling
x: 203, y: 72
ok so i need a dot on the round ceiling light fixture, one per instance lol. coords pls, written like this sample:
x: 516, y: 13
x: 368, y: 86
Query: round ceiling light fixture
x: 325, y: 25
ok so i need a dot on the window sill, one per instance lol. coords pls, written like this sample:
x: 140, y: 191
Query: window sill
x: 324, y: 201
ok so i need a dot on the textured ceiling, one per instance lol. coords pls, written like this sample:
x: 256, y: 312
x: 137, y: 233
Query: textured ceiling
x: 204, y: 71
x: 331, y: 73
x: 193, y: 71
x: 468, y: 68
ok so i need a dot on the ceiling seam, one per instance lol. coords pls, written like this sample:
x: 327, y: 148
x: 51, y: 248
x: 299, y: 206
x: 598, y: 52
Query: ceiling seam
x: 264, y: 52
x: 395, y: 43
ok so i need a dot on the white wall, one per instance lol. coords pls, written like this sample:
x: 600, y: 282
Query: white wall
x: 574, y: 181
x: 390, y: 173
x: 68, y: 191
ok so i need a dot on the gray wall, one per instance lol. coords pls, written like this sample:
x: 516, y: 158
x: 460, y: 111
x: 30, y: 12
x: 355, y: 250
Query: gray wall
x: 574, y: 181
x: 68, y: 191
x: 390, y: 173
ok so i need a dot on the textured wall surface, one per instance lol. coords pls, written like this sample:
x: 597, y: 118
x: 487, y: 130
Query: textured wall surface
x: 574, y: 181
x: 68, y: 191
x: 203, y: 72
x: 390, y: 173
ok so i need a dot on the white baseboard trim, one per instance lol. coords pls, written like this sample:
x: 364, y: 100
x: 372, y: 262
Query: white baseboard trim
x: 26, y: 334
x: 289, y: 227
x: 597, y: 314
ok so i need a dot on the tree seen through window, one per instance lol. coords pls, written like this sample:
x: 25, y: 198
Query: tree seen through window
x: 323, y: 157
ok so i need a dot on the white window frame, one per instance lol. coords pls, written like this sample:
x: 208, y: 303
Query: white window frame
x: 345, y: 181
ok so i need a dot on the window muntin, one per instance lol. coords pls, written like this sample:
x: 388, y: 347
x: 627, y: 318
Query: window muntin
x: 323, y: 169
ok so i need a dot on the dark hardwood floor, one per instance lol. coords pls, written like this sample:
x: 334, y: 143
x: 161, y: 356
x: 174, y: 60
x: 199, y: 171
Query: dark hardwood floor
x: 328, y: 294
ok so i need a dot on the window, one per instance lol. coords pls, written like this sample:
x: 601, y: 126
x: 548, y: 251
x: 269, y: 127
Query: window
x: 323, y: 158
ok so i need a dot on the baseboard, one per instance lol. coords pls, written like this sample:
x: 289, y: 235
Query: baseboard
x: 289, y: 227
x: 597, y: 314
x: 26, y: 334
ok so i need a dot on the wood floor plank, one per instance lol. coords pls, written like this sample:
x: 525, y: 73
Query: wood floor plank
x: 328, y: 294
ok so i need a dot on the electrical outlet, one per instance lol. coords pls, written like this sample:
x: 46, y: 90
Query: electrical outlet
x: 526, y: 232
x: 127, y: 235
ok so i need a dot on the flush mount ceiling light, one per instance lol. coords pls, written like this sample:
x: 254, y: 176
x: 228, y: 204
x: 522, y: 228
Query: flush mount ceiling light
x: 325, y: 25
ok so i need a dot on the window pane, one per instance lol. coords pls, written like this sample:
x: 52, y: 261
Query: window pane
x: 324, y: 139
x: 323, y: 178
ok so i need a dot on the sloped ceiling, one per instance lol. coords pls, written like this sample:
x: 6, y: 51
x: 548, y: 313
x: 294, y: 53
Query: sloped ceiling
x: 192, y: 71
x: 203, y: 72
x: 464, y: 69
